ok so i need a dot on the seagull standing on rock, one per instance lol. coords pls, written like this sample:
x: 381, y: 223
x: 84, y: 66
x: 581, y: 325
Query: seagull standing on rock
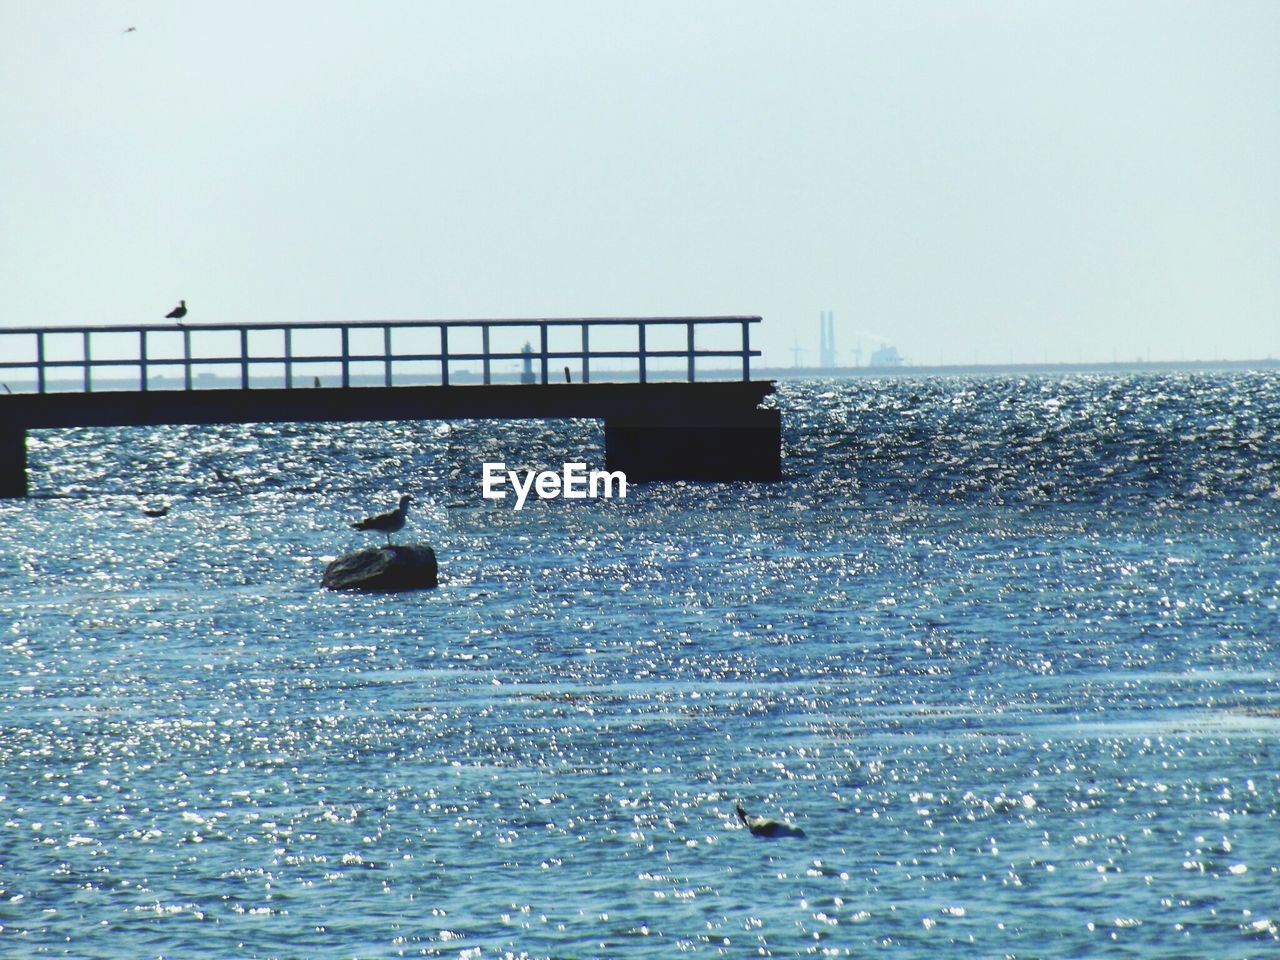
x: 388, y: 522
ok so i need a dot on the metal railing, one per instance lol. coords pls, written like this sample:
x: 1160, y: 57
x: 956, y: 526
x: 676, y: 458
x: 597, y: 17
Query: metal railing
x: 39, y: 372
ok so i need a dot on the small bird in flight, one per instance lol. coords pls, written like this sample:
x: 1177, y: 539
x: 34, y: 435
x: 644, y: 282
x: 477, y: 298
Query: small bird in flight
x: 387, y: 523
x: 178, y: 312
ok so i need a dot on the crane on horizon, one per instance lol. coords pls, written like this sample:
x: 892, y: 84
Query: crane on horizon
x: 796, y: 351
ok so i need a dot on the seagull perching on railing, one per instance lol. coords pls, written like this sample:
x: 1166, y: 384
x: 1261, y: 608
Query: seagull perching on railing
x: 388, y: 522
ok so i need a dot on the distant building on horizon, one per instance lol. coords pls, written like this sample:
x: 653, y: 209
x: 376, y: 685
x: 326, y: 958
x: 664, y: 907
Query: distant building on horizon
x: 886, y: 356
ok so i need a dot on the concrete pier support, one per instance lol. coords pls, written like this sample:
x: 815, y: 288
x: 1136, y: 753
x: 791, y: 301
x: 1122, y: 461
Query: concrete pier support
x: 745, y: 446
x: 13, y: 461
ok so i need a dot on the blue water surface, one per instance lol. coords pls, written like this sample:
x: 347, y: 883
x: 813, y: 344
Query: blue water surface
x: 1005, y: 649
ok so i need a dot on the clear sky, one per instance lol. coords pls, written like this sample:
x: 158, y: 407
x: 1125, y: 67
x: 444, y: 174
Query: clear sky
x: 972, y: 181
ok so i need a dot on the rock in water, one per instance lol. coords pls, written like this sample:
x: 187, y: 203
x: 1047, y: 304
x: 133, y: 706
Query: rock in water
x: 396, y: 567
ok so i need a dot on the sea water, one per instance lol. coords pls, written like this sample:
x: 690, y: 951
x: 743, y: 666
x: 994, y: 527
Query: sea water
x: 1006, y: 649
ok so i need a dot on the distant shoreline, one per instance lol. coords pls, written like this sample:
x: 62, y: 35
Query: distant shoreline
x: 985, y: 369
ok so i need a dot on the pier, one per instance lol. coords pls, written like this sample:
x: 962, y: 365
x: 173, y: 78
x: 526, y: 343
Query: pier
x: 675, y: 394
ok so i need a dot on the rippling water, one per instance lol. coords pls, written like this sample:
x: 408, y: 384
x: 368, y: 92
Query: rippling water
x: 1006, y: 649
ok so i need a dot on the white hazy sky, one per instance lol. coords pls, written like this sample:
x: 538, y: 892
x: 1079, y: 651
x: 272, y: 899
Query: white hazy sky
x: 986, y: 181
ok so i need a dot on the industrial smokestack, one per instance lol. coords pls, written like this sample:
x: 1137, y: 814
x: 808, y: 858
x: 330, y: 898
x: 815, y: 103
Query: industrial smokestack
x: 827, y: 340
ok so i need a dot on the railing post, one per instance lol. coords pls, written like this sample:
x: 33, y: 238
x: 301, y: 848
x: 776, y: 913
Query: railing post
x: 644, y: 378
x: 346, y: 357
x: 444, y: 355
x: 288, y: 358
x: 484, y: 348
x: 543, y: 328
x: 690, y: 326
x: 186, y: 358
x: 586, y: 352
x: 88, y: 377
x: 386, y: 355
x: 40, y: 362
x: 244, y: 358
x: 142, y: 356
x: 746, y: 349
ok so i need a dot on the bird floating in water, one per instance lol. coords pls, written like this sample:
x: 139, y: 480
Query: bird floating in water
x: 178, y: 312
x: 155, y: 512
x: 764, y: 827
x: 388, y: 522
x: 223, y: 477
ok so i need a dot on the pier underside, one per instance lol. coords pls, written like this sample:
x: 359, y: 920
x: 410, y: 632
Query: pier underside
x: 653, y: 431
